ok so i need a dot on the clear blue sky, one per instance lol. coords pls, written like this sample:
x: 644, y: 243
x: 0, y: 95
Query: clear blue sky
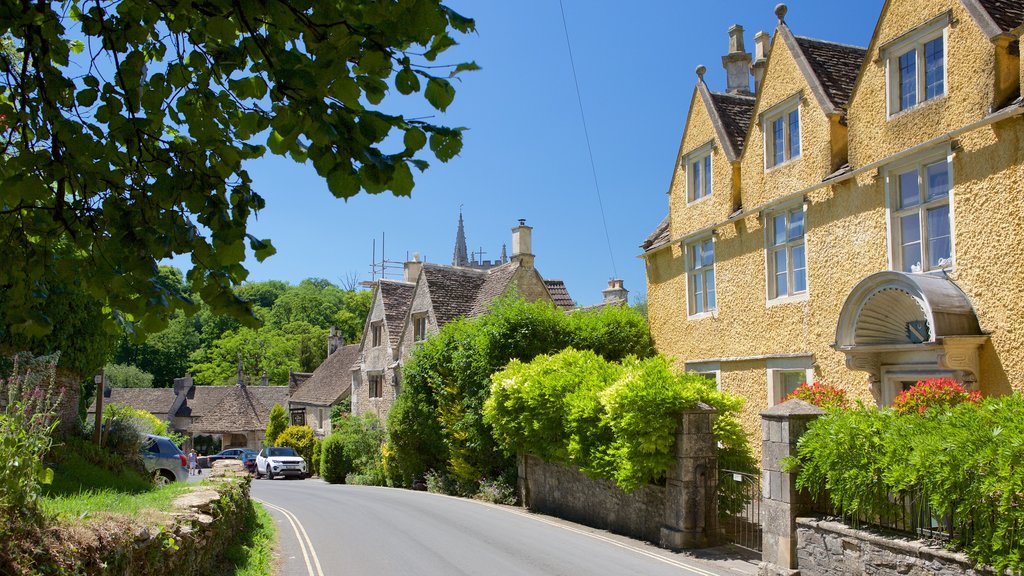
x: 525, y: 153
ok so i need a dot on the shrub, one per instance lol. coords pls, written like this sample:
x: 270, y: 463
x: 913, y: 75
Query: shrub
x: 315, y: 463
x: 278, y: 421
x: 497, y: 491
x: 334, y: 464
x: 821, y: 395
x: 354, y: 451
x: 302, y: 440
x: 934, y: 393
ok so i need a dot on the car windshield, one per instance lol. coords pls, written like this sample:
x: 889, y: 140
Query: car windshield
x: 281, y: 452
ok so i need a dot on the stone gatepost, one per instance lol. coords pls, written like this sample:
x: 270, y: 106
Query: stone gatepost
x: 691, y: 494
x: 781, y: 427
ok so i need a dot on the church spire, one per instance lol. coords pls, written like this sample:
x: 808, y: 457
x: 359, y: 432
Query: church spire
x: 461, y: 255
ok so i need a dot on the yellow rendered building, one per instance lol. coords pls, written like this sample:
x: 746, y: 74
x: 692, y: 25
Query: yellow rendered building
x: 856, y: 218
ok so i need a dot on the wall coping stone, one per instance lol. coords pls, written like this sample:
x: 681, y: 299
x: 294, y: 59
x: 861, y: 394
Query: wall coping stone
x: 790, y: 409
x: 902, y: 544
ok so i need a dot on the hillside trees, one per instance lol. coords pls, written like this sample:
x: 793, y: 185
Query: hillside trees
x: 128, y: 123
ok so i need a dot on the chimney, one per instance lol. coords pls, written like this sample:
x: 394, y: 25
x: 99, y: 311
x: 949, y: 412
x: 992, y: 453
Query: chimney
x: 413, y: 267
x: 334, y: 341
x: 615, y: 292
x: 522, y: 245
x: 179, y: 386
x: 264, y: 380
x: 737, y: 63
x: 761, y: 42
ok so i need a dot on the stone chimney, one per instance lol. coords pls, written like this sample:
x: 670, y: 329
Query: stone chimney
x: 413, y: 267
x: 615, y: 292
x: 737, y: 63
x: 761, y: 43
x: 522, y: 244
x: 264, y: 380
x: 182, y: 385
x: 334, y: 341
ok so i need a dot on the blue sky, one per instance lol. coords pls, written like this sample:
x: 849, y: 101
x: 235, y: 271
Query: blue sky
x: 525, y: 153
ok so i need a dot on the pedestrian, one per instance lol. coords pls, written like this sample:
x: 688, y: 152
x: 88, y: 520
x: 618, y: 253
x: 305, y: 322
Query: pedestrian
x: 192, y: 462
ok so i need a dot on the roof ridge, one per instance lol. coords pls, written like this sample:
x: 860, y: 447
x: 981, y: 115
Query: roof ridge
x: 843, y: 44
x: 730, y: 95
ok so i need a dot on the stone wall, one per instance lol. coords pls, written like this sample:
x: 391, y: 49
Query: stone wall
x: 568, y: 493
x: 834, y: 549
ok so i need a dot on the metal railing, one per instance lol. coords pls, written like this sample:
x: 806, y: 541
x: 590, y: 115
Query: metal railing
x: 739, y: 505
x: 906, y: 511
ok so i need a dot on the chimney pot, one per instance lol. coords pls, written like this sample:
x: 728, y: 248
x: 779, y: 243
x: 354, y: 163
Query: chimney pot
x: 615, y: 292
x: 761, y: 43
x: 412, y: 268
x: 736, y: 38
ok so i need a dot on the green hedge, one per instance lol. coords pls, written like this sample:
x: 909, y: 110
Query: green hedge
x: 965, y: 460
x: 616, y: 421
x: 354, y: 451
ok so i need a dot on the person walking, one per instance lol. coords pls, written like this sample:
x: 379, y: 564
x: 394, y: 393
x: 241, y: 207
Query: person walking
x: 192, y: 462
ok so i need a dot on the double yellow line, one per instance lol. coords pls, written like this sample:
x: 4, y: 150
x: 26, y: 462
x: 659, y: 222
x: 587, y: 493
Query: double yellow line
x: 308, y: 552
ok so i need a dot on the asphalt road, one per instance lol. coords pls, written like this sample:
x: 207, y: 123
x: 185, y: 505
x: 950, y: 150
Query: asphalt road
x: 339, y: 530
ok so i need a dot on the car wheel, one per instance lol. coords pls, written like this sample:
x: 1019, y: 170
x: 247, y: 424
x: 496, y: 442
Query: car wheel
x: 162, y: 478
x: 270, y: 473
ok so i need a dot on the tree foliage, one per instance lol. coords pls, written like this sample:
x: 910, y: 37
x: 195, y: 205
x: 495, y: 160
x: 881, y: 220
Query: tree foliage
x: 125, y: 376
x: 127, y: 126
x: 301, y: 438
x: 278, y: 422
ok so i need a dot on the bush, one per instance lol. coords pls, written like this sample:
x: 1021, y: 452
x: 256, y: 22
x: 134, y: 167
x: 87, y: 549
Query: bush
x: 353, y: 451
x: 302, y: 440
x: 127, y: 376
x: 334, y: 463
x: 964, y: 460
x: 935, y: 394
x: 821, y: 395
x: 278, y: 421
x: 498, y: 491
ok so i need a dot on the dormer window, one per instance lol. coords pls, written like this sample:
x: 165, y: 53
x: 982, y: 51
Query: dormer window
x: 698, y: 173
x: 781, y: 125
x: 916, y: 66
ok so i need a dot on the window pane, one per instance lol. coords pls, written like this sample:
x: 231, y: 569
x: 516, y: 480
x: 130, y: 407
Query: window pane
x: 939, y: 241
x: 698, y: 294
x: 709, y: 282
x: 794, y: 133
x: 791, y: 381
x: 781, y: 272
x: 695, y: 257
x: 934, y: 69
x: 779, y: 230
x: 799, y: 269
x: 709, y: 253
x: 778, y: 142
x: 910, y: 242
x: 696, y: 180
x: 908, y: 79
x: 707, y: 175
x: 796, y: 224
x: 910, y: 195
x: 937, y: 178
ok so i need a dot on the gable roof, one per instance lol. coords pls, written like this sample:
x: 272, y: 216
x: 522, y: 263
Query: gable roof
x: 559, y: 294
x: 996, y: 17
x: 154, y: 400
x: 730, y: 114
x: 497, y: 283
x: 396, y: 297
x: 658, y: 238
x: 242, y: 408
x: 453, y: 291
x: 831, y: 69
x: 330, y: 380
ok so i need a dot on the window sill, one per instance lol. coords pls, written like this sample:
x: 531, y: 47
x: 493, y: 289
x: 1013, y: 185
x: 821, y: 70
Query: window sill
x: 918, y: 106
x: 697, y: 201
x: 702, y: 315
x: 782, y: 164
x: 783, y: 300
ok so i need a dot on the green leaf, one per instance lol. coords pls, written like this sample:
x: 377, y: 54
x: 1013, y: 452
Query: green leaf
x: 446, y: 144
x: 415, y: 140
x: 276, y: 143
x: 464, y: 67
x: 86, y: 97
x: 262, y: 249
x: 439, y: 93
x: 343, y: 182
x: 401, y: 180
x: 76, y: 46
x: 407, y: 82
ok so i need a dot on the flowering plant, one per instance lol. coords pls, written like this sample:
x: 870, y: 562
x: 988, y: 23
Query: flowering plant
x: 937, y: 393
x: 823, y: 396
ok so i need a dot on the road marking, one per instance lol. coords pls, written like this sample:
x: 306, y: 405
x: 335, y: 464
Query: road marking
x: 301, y: 536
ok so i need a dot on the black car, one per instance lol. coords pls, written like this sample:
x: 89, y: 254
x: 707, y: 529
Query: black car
x: 249, y: 460
x: 228, y: 454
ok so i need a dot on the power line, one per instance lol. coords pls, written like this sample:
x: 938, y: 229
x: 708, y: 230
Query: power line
x: 586, y: 133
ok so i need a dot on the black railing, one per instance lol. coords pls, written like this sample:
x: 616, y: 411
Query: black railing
x: 739, y: 505
x: 906, y: 511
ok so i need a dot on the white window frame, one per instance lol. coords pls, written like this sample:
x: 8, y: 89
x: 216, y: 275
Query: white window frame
x: 782, y: 111
x: 772, y: 291
x: 916, y: 39
x: 779, y: 367
x: 712, y: 370
x: 691, y: 278
x: 702, y: 157
x: 894, y: 213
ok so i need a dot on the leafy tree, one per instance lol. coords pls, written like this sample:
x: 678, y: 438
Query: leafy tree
x: 302, y: 440
x: 262, y: 294
x: 278, y: 422
x: 298, y: 346
x: 131, y: 122
x: 127, y: 376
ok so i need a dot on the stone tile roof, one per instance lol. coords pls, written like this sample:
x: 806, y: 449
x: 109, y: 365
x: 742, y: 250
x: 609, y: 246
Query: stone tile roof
x: 200, y: 400
x: 155, y: 400
x: 330, y: 380
x: 496, y: 284
x: 1007, y: 14
x: 657, y: 238
x: 453, y: 291
x: 397, y: 297
x: 241, y: 409
x: 835, y: 65
x: 735, y: 112
x: 560, y: 294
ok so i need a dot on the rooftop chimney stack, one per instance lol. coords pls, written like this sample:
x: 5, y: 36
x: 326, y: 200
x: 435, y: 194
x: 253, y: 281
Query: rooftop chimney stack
x: 413, y: 267
x: 737, y: 63
x: 265, y: 380
x: 522, y: 245
x: 334, y: 341
x: 615, y: 292
x: 761, y: 42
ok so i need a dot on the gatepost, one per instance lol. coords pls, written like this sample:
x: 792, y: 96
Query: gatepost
x: 691, y: 495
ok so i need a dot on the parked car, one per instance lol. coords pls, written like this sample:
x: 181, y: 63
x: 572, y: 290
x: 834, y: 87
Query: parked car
x: 228, y: 454
x: 164, y: 460
x: 249, y: 460
x: 282, y: 461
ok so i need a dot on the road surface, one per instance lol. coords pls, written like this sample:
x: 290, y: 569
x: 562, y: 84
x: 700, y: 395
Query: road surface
x: 340, y: 530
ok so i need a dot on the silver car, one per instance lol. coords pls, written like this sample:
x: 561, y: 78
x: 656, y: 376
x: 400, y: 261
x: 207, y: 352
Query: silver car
x: 164, y: 460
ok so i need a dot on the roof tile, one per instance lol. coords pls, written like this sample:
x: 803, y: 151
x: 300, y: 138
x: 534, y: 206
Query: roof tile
x: 330, y: 380
x: 735, y: 112
x: 835, y: 65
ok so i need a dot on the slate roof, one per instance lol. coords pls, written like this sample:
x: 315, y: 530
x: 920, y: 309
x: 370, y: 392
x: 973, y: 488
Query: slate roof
x: 453, y: 291
x: 657, y: 238
x: 560, y: 294
x: 241, y: 408
x: 155, y: 400
x: 735, y: 112
x: 1007, y: 14
x: 835, y: 65
x: 397, y: 297
x: 330, y: 380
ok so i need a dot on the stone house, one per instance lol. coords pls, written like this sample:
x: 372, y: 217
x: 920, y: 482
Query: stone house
x: 852, y: 219
x: 311, y: 401
x: 406, y: 312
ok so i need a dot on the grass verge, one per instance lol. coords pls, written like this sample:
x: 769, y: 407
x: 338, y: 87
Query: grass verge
x: 252, y: 555
x: 90, y: 501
